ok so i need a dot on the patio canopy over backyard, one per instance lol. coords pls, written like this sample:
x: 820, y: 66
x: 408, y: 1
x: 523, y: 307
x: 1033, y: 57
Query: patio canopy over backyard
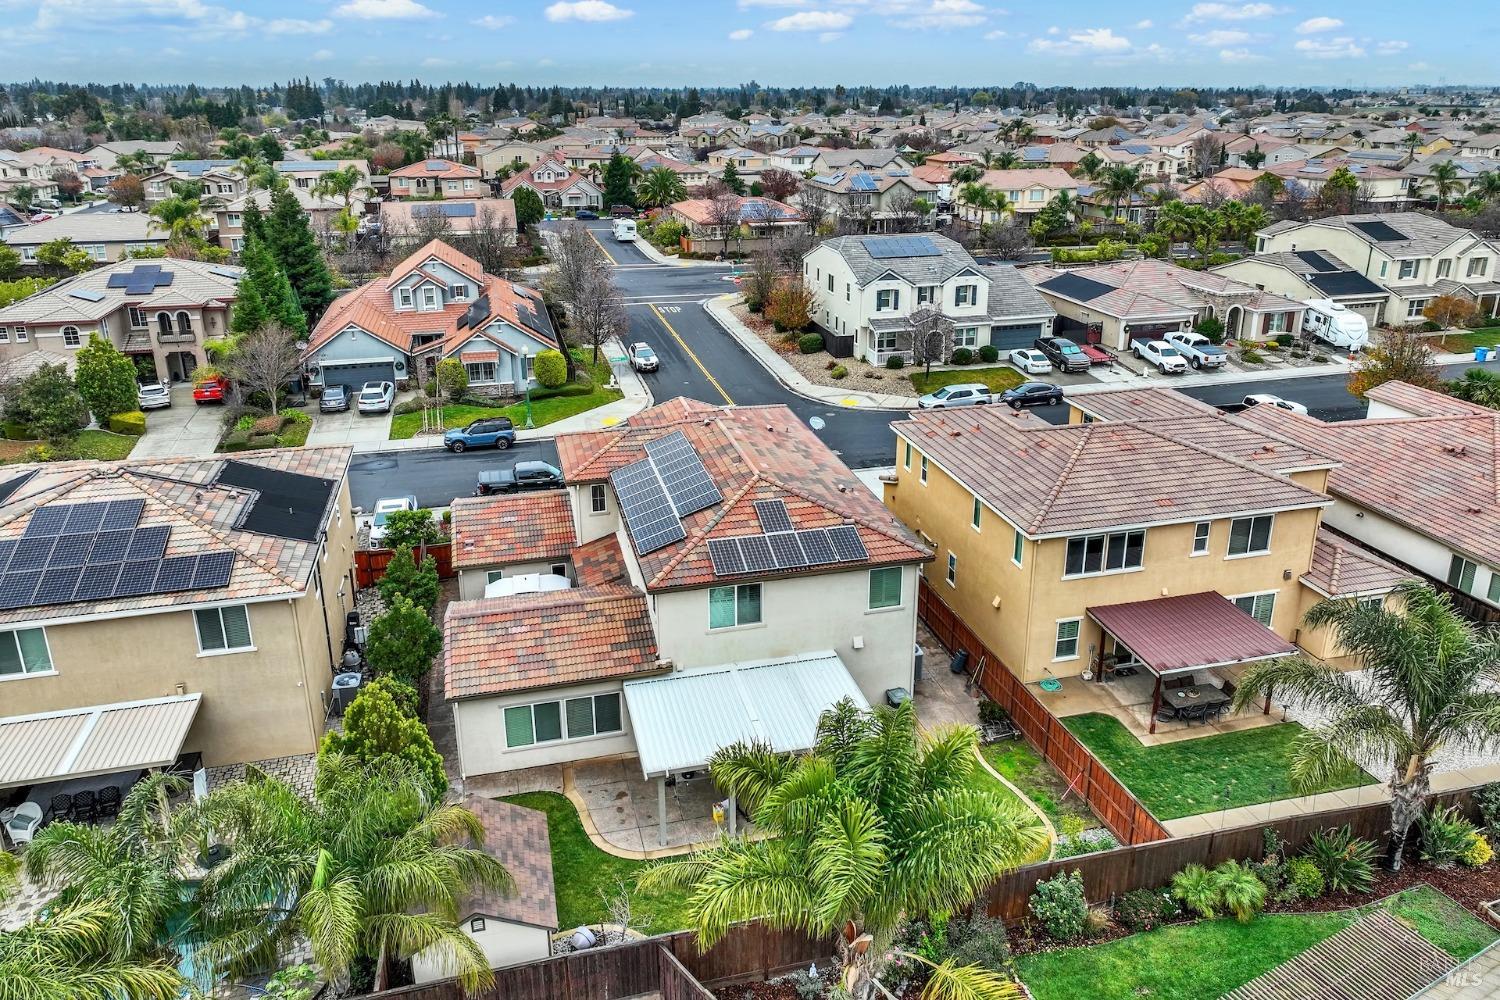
x: 1172, y: 635
x: 101, y: 739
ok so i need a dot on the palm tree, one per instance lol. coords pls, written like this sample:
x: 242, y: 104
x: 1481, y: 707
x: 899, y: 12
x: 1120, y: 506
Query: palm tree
x: 876, y: 824
x: 1427, y: 685
x: 1122, y: 183
x: 1007, y: 160
x: 342, y: 184
x: 66, y: 956
x: 138, y: 162
x: 660, y: 187
x: 1412, y: 141
x: 366, y: 869
x: 1486, y: 185
x: 1175, y: 221
x: 178, y: 217
x: 1442, y: 178
x: 1478, y: 385
x: 977, y: 197
x: 1090, y: 164
x: 968, y: 173
x: 987, y: 158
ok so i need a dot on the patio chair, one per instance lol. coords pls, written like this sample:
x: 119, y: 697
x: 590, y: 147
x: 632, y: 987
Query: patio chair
x: 109, y: 802
x: 1217, y: 712
x: 1195, y: 713
x: 1173, y: 683
x: 1167, y: 713
x: 86, y: 806
x: 61, y: 808
x: 24, y: 824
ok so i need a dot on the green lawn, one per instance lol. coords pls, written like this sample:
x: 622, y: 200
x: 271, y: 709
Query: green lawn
x: 1204, y: 774
x: 583, y: 874
x: 546, y: 410
x: 998, y: 379
x: 98, y: 446
x: 1459, y: 343
x: 1024, y: 766
x: 1210, y: 958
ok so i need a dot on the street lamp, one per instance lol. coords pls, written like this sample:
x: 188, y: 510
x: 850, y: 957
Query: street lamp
x: 526, y: 374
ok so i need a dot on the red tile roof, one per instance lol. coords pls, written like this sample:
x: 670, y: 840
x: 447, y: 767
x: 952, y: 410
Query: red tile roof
x: 517, y: 837
x: 1344, y: 568
x: 499, y: 531
x: 449, y: 171
x: 600, y: 562
x: 1188, y: 631
x: 1419, y: 402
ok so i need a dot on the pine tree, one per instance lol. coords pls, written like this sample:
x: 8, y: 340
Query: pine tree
x: 732, y: 180
x: 617, y: 182
x: 294, y: 247
x: 252, y: 223
x: 277, y: 299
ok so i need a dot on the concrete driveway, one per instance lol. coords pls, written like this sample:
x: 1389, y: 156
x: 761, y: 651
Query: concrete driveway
x: 184, y: 429
x: 365, y: 433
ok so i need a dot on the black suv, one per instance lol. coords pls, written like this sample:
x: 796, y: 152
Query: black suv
x: 1065, y: 355
x: 519, y: 477
x: 1032, y: 394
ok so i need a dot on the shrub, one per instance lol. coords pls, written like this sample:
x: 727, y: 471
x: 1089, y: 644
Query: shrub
x: 1487, y: 798
x: 236, y: 441
x: 550, y: 369
x: 980, y: 941
x: 403, y: 642
x: 266, y: 425
x: 1240, y: 891
x: 1198, y: 889
x: 1285, y: 339
x: 1446, y: 837
x: 839, y: 371
x: 989, y: 353
x: 403, y: 577
x: 1251, y: 357
x: 1097, y: 921
x: 1270, y: 345
x: 1303, y: 880
x: 261, y: 441
x: 895, y: 362
x: 1086, y: 842
x: 1058, y: 905
x: 790, y: 305
x: 1479, y: 852
x: 14, y: 431
x: 1346, y: 861
x: 382, y: 726
x: 453, y: 377
x: 408, y: 406
x: 963, y: 356
x: 132, y: 423
x: 411, y: 528
x: 295, y: 427
x: 990, y: 712
x: 810, y: 343
x: 1146, y: 909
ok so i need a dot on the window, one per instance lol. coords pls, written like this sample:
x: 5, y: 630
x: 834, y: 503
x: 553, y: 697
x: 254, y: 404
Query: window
x: 974, y: 518
x: 1277, y: 323
x: 887, y: 298
x: 405, y: 297
x: 1494, y: 592
x: 966, y: 295
x: 528, y: 724
x: 1478, y: 266
x: 1461, y: 574
x: 830, y: 281
x: 558, y: 569
x: 429, y: 298
x: 1409, y: 268
x: 223, y: 630
x: 1250, y: 535
x: 1414, y: 308
x: 24, y: 651
x: 885, y: 588
x: 927, y: 294
x: 731, y: 606
x: 476, y: 925
x: 924, y: 469
x: 1088, y: 554
x: 952, y: 569
x: 598, y: 502
x: 1384, y: 267
x: 184, y: 323
x: 1065, y: 646
x: 491, y: 576
x: 20, y: 335
x: 1258, y: 606
x: 460, y: 292
x: 885, y: 341
x: 4, y: 334
x: 1035, y: 194
x: 592, y: 716
x: 96, y: 251
x: 1200, y: 537
x: 481, y: 371
x: 236, y: 243
x: 71, y: 336
x: 848, y: 296
x: 138, y: 319
x: 233, y: 219
x: 1445, y: 269
x: 1017, y: 547
x: 907, y: 462
x: 966, y: 336
x: 164, y: 322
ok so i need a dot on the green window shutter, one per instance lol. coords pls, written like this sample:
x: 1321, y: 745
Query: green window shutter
x: 580, y: 717
x: 210, y: 630
x: 10, y: 654
x: 548, y: 721
x: 607, y: 713
x: 33, y: 644
x: 1017, y: 547
x: 885, y: 587
x: 721, y: 607
x: 748, y: 604
x: 236, y: 621
x: 518, y: 731
x: 1467, y: 583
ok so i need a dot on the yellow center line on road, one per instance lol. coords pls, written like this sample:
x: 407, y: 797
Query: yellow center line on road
x: 607, y: 255
x: 689, y: 351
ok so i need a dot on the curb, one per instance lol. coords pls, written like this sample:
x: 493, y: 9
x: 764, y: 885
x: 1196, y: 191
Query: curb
x: 649, y: 249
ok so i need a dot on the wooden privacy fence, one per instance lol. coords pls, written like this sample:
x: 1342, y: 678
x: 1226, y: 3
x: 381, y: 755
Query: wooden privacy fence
x: 370, y: 564
x: 1147, y: 866
x: 1125, y: 816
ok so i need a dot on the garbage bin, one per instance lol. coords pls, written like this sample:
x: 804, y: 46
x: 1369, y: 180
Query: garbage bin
x: 1481, y: 354
x: 917, y: 656
x: 895, y: 696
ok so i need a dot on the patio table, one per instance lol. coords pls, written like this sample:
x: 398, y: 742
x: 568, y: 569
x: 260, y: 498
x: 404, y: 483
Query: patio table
x: 1183, y: 699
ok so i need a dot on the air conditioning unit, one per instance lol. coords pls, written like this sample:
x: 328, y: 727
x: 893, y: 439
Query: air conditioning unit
x: 345, y: 688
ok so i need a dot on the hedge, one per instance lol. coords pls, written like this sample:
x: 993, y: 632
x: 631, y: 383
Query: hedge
x: 810, y: 343
x: 132, y: 422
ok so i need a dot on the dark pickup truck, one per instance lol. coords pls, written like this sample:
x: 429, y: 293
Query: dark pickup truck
x: 519, y: 477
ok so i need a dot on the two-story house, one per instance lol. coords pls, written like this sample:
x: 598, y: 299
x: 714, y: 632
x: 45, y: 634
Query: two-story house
x: 158, y: 311
x: 1415, y: 257
x: 879, y: 201
x: 169, y: 607
x: 868, y: 288
x: 558, y: 185
x: 508, y: 155
x: 1382, y: 186
x: 831, y: 161
x: 1311, y: 274
x: 1026, y: 191
x: 435, y: 304
x: 751, y: 582
x: 798, y: 159
x: 322, y: 211
x: 105, y: 236
x: 437, y: 179
x: 748, y: 163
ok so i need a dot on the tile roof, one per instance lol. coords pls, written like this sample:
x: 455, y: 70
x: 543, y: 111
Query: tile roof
x: 499, y: 531
x: 502, y: 644
x: 751, y: 453
x: 1342, y: 567
x: 752, y: 210
x: 1419, y: 402
x: 1012, y: 296
x: 194, y: 284
x: 1421, y: 235
x: 516, y: 837
x: 90, y: 227
x: 1151, y: 288
x: 437, y: 167
x: 1188, y: 631
x: 1054, y: 178
x: 855, y: 250
x: 600, y: 562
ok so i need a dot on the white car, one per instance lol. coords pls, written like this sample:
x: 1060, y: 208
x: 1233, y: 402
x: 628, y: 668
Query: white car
x: 376, y: 397
x: 643, y: 358
x: 1266, y: 399
x: 1031, y: 362
x: 963, y: 394
x: 153, y: 396
x: 1161, y: 354
x: 384, y: 508
x: 1198, y: 349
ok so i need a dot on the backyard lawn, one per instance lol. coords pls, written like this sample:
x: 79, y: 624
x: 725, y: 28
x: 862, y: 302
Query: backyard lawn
x: 99, y: 446
x: 544, y: 410
x: 583, y: 874
x: 1204, y: 774
x: 998, y: 379
x: 1225, y: 954
x: 1024, y: 766
x: 1461, y: 343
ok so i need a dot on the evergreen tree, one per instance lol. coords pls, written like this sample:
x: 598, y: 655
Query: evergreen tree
x: 294, y: 247
x: 271, y: 296
x: 106, y: 379
x: 529, y: 207
x: 403, y: 577
x: 618, y: 189
x: 732, y: 180
x: 252, y: 223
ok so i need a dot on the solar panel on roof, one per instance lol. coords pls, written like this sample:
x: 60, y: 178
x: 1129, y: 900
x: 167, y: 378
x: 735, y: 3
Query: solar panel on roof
x: 1076, y: 286
x: 688, y: 484
x: 726, y: 556
x: 84, y: 517
x: 773, y: 515
x: 648, y: 512
x: 7, y: 549
x: 459, y: 210
x: 213, y: 569
x: 175, y: 573
x: 136, y: 578
x: 97, y: 582
x: 57, y: 586
x: 1380, y: 232
x: 148, y: 543
x: 862, y: 182
x: 143, y: 279
x: 1315, y: 260
x: 286, y: 505
x: 111, y: 546
x: 225, y: 272
x: 887, y: 247
x: 847, y: 544
x: 817, y: 547
x: 436, y: 165
x: 70, y: 550
x: 87, y: 294
x: 33, y: 553
x: 757, y: 551
x: 47, y: 520
x: 9, y: 487
x: 16, y: 588
x: 122, y: 514
x: 786, y: 550
x: 1344, y: 283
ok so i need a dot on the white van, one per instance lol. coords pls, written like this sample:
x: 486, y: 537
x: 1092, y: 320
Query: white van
x: 1336, y: 324
x: 625, y: 230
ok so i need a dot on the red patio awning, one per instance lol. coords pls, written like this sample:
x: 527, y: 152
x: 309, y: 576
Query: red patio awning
x: 1193, y: 631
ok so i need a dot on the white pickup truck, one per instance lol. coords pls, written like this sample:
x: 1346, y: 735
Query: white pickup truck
x: 1161, y: 354
x: 1198, y: 349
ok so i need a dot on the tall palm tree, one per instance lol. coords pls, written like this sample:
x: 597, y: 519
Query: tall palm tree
x: 877, y: 823
x: 1006, y: 160
x: 1175, y: 221
x: 366, y: 869
x: 968, y: 173
x: 1066, y: 205
x: 1121, y: 183
x: 180, y: 218
x: 1412, y: 141
x: 660, y: 187
x: 66, y: 956
x: 987, y: 159
x: 343, y: 184
x: 1442, y: 179
x: 1427, y: 685
x: 977, y: 197
x: 1090, y: 165
x: 1478, y: 385
x: 1486, y: 185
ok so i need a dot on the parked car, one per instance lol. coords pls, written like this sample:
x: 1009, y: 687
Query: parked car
x: 1198, y: 349
x: 153, y: 396
x: 1336, y: 324
x: 960, y: 394
x: 214, y: 389
x: 1161, y: 354
x: 335, y: 399
x: 1065, y: 355
x: 1031, y: 361
x: 1032, y: 394
x: 384, y: 508
x: 643, y: 358
x: 46, y: 205
x: 519, y: 477
x: 1263, y: 399
x: 490, y: 432
x: 584, y: 213
x: 376, y: 397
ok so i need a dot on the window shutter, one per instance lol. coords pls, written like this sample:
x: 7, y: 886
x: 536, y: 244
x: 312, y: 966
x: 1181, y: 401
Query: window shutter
x: 580, y: 717
x: 607, y: 713
x: 210, y: 631
x: 548, y: 721
x: 236, y: 627
x: 34, y: 650
x: 518, y: 731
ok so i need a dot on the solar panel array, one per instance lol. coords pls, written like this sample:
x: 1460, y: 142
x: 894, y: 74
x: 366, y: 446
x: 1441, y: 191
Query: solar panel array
x: 886, y: 247
x: 1315, y: 260
x: 658, y: 491
x: 688, y: 483
x: 451, y: 210
x: 1380, y: 232
x: 862, y: 182
x: 97, y: 550
x: 782, y: 550
x: 143, y: 279
x: 1076, y: 286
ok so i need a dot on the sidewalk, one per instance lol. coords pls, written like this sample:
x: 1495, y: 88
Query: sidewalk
x: 646, y: 247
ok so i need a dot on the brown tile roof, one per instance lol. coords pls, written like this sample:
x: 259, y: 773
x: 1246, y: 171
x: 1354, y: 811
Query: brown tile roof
x: 751, y: 453
x: 1189, y: 630
x: 1139, y: 404
x: 498, y: 531
x: 1421, y: 402
x: 700, y: 211
x: 1081, y: 477
x: 527, y: 641
x: 450, y: 170
x: 1342, y: 567
x: 1152, y: 287
x: 516, y: 837
x: 600, y: 562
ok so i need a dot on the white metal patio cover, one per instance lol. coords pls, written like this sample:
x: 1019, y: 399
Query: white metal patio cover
x: 100, y: 739
x: 682, y: 719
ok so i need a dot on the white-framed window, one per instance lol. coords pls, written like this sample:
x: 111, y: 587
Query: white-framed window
x: 24, y: 651
x: 1409, y: 268
x: 952, y: 576
x: 1035, y: 194
x: 598, y: 499
x: 885, y: 341
x: 923, y: 475
x: 887, y: 299
x: 480, y: 371
x: 1378, y: 601
x: 490, y: 576
x: 223, y: 630
x: 1250, y: 535
x: 1478, y: 266
x: 138, y: 319
x: 429, y: 297
x: 96, y: 251
x: 558, y: 569
x: 975, y: 514
x: 732, y: 606
x: 4, y: 334
x: 592, y: 715
x: 926, y: 294
x: 965, y: 295
x: 1414, y: 308
x: 830, y: 281
x: 28, y: 253
x: 906, y: 463
x: 1091, y: 554
x: 1017, y: 547
x: 460, y: 293
x: 1445, y: 268
x: 233, y: 219
x: 236, y: 243
x: 885, y: 588
x: 1278, y: 323
x: 71, y: 337
x: 1200, y: 537
x: 1258, y: 606
x: 1065, y: 644
x: 529, y: 724
x: 966, y: 336
x: 20, y: 335
x: 404, y: 297
x: 1461, y: 574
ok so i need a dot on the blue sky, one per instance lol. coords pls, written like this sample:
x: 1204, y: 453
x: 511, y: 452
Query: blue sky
x: 709, y: 42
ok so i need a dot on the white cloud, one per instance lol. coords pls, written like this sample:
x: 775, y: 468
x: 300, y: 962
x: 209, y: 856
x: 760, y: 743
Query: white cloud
x: 193, y: 14
x: 322, y: 55
x: 812, y: 20
x: 1314, y: 25
x: 1219, y: 38
x: 1231, y: 12
x: 1391, y: 48
x: 1330, y: 48
x: 746, y: 4
x: 1085, y: 41
x: 544, y: 63
x: 1143, y: 25
x: 586, y: 10
x: 991, y: 36
x: 830, y: 36
x: 384, y: 10
x: 1418, y: 66
x: 740, y: 34
x: 1240, y: 56
x: 934, y: 13
x: 296, y: 26
x: 494, y: 21
x: 433, y: 62
x: 1054, y: 30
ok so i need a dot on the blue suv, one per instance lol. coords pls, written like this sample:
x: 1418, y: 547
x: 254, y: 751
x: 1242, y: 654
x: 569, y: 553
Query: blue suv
x: 496, y: 432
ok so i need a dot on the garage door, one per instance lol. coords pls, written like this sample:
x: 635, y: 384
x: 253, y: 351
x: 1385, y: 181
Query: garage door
x: 1009, y: 338
x: 356, y: 375
x: 1152, y: 331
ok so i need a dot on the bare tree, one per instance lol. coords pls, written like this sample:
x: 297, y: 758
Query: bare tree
x: 1206, y: 148
x: 1008, y: 240
x: 902, y: 213
x: 929, y: 337
x: 491, y: 241
x: 264, y: 360
x: 724, y: 215
x: 574, y: 255
x: 598, y: 310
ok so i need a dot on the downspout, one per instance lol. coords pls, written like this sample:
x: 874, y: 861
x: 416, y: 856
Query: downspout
x: 323, y: 599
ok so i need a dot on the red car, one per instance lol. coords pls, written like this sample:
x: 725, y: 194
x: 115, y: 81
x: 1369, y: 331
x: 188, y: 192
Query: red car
x: 212, y: 390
